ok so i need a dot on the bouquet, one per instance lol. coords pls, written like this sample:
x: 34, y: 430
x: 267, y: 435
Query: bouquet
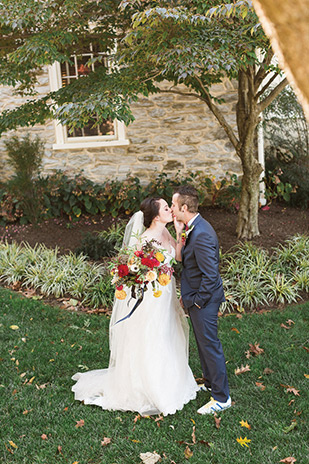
x: 135, y: 267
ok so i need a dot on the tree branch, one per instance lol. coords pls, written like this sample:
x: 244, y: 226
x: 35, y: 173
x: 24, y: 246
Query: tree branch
x: 219, y: 115
x: 273, y: 77
x: 267, y: 101
x: 260, y: 75
x: 213, y: 108
x: 186, y: 94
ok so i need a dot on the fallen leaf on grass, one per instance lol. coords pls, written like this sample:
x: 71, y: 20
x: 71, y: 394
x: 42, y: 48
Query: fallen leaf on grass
x: 26, y: 411
x: 235, y: 330
x: 14, y: 327
x: 290, y: 427
x: 106, y: 441
x: 288, y: 460
x: 59, y: 449
x: 243, y: 441
x: 136, y: 418
x: 307, y: 376
x: 42, y: 386
x: 242, y: 369
x: 255, y: 349
x: 150, y: 458
x: 80, y: 423
x: 305, y: 348
x: 245, y: 424
x: 293, y: 390
x: 44, y: 436
x: 292, y: 401
x: 217, y: 421
x: 13, y: 444
x: 188, y: 453
x: 260, y: 385
x: 267, y: 371
x: 193, y: 435
x: 285, y: 326
x: 9, y: 449
x: 290, y: 389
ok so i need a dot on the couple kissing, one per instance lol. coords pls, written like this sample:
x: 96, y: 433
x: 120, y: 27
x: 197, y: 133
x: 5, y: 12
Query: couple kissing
x: 149, y: 370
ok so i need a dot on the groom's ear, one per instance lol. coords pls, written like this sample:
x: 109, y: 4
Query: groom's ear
x: 184, y: 208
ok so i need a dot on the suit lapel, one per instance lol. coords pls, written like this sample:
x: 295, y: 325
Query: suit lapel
x: 194, y: 223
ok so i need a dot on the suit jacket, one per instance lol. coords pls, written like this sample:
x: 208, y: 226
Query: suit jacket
x: 201, y: 282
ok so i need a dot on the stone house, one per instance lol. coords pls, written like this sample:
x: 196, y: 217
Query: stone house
x: 170, y: 133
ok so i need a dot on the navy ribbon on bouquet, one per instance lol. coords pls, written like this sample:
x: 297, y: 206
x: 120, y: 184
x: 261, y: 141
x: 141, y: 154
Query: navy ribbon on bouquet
x: 133, y: 295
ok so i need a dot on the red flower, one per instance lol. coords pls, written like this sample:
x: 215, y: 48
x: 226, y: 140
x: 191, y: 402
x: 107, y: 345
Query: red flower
x: 137, y: 280
x: 150, y: 262
x: 120, y: 287
x: 123, y: 270
x: 139, y: 253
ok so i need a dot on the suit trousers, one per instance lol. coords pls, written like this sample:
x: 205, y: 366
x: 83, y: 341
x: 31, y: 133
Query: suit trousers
x: 205, y: 327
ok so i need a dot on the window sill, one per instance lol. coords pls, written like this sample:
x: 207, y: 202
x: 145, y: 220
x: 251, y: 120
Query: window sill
x: 81, y: 145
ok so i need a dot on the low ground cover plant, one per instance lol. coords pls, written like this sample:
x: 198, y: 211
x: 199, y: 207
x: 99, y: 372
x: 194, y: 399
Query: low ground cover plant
x: 252, y: 277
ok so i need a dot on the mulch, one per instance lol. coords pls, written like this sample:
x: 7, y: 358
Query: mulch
x: 276, y: 224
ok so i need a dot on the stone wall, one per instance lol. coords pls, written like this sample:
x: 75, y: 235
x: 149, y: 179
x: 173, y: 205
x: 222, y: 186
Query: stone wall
x: 170, y: 133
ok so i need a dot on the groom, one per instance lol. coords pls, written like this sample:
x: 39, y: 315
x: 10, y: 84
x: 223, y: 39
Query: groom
x: 202, y: 292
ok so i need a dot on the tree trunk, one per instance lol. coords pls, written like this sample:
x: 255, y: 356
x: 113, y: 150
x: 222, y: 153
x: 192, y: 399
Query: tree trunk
x: 247, y: 222
x: 247, y: 121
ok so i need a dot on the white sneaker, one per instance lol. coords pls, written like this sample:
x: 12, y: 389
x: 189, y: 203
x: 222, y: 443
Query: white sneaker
x: 213, y: 406
x: 203, y: 387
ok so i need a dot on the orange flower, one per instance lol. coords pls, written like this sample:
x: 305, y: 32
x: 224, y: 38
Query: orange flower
x: 120, y: 294
x: 160, y: 256
x: 164, y: 279
x: 157, y: 293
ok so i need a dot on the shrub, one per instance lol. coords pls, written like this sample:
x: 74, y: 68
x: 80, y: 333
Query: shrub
x: 102, y: 244
x: 292, y: 172
x: 25, y: 157
x: 61, y: 195
x: 287, y: 148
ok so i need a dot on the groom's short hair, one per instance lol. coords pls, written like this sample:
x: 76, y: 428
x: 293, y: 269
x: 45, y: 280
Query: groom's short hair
x: 188, y: 195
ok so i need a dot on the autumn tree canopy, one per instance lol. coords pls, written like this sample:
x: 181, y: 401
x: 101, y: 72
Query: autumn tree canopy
x: 196, y: 43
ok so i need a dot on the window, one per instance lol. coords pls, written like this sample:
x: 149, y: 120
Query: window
x: 107, y: 133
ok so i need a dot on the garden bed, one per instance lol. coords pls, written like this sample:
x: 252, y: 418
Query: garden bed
x: 276, y: 224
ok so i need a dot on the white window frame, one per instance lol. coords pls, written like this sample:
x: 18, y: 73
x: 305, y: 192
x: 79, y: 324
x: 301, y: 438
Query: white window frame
x: 64, y: 142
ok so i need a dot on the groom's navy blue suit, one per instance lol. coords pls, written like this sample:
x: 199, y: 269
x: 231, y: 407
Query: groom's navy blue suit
x: 202, y: 293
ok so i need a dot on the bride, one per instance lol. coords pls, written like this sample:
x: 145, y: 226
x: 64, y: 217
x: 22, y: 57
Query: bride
x: 148, y: 370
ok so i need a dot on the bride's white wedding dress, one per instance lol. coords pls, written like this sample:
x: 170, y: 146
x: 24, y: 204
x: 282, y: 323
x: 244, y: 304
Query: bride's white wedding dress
x: 148, y: 370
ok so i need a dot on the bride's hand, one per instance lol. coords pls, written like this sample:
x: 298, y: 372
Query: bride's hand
x: 178, y: 226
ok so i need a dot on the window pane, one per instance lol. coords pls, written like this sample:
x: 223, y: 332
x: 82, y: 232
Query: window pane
x: 105, y: 128
x: 77, y: 70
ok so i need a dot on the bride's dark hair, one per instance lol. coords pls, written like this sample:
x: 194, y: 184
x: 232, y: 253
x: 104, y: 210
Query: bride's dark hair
x: 150, y: 208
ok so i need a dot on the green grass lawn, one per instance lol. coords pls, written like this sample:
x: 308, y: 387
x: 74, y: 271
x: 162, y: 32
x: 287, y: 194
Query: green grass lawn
x: 38, y: 359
